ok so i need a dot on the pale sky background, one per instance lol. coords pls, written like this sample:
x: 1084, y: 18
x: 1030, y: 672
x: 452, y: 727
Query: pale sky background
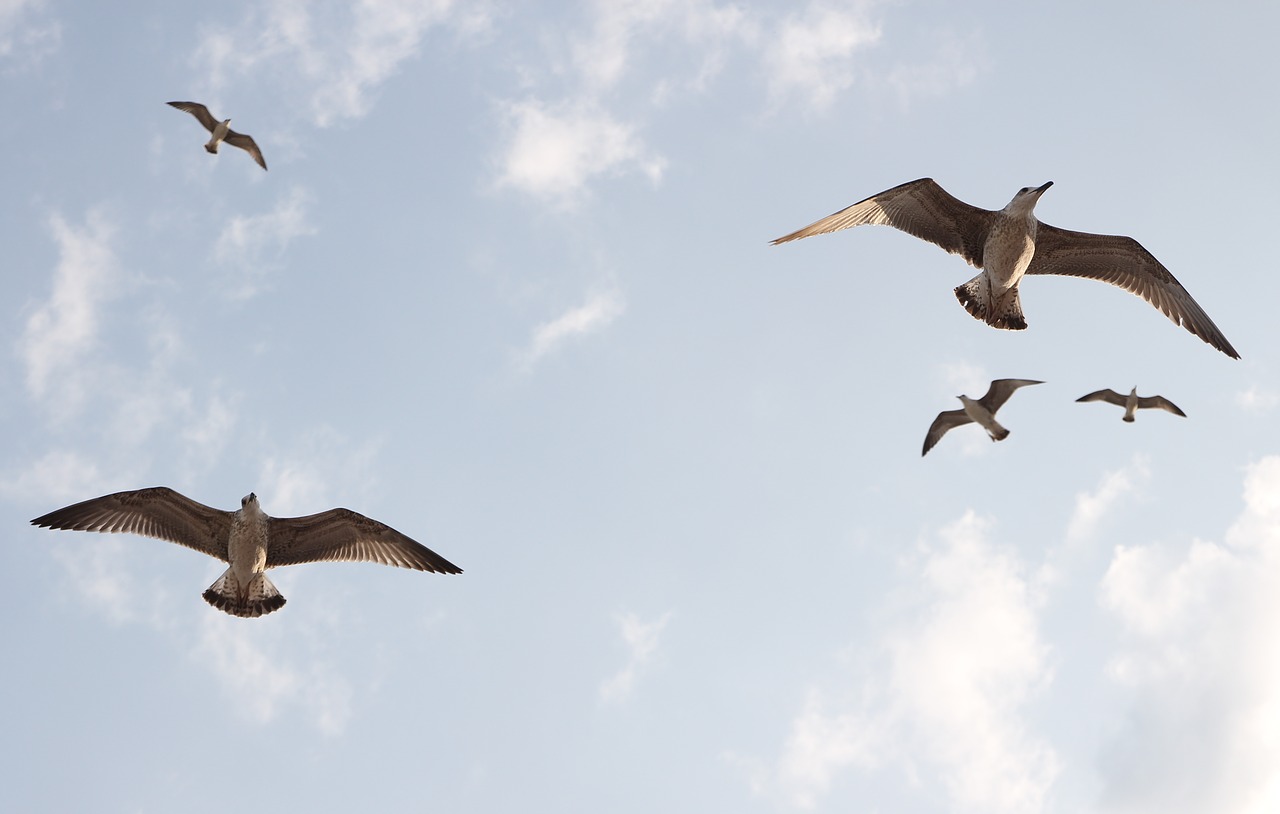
x: 507, y: 287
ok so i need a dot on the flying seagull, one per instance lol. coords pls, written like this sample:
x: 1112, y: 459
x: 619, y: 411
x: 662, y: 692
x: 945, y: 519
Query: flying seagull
x: 221, y: 131
x: 1010, y: 243
x: 248, y: 540
x: 1133, y: 402
x: 981, y: 410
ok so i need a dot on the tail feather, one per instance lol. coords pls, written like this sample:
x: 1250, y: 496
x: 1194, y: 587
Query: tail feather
x: 260, y: 598
x: 212, y: 147
x: 1004, y: 311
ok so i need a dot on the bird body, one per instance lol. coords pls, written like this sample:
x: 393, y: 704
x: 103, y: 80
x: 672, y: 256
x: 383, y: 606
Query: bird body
x: 1010, y: 243
x: 1133, y: 402
x: 220, y: 131
x: 248, y: 540
x: 980, y: 411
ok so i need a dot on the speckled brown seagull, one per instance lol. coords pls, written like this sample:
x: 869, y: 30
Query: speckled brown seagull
x: 982, y: 410
x: 221, y: 131
x: 1010, y: 243
x: 1132, y: 402
x: 248, y: 540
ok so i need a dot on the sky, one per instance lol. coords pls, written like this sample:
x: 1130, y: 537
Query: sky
x: 507, y: 287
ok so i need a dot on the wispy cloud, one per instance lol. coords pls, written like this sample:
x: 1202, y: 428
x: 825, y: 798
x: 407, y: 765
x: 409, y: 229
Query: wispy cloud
x: 61, y: 332
x: 1258, y: 399
x: 339, y: 54
x: 1091, y: 507
x: 552, y: 152
x: 252, y: 664
x: 254, y: 244
x: 596, y: 313
x: 813, y: 52
x: 27, y: 34
x: 304, y: 474
x: 1199, y: 625
x: 641, y: 640
x: 956, y: 675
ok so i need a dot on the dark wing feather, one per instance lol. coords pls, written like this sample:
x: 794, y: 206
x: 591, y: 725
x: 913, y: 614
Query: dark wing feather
x: 1123, y: 262
x: 157, y: 512
x: 247, y: 144
x: 1160, y: 402
x: 199, y: 111
x: 1109, y: 396
x: 1000, y: 391
x: 945, y: 421
x: 344, y: 535
x: 920, y: 208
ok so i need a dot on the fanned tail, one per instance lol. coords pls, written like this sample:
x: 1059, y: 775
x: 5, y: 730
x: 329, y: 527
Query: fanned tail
x: 1005, y: 312
x: 260, y: 598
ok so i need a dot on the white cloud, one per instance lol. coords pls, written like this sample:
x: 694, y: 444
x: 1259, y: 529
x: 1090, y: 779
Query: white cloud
x: 57, y: 475
x: 62, y: 331
x: 597, y: 312
x: 252, y: 664
x: 26, y: 35
x: 1198, y: 653
x: 812, y: 55
x: 304, y: 477
x: 253, y: 244
x: 1256, y: 399
x: 1091, y: 507
x: 340, y: 54
x: 956, y: 677
x: 552, y: 152
x: 641, y: 640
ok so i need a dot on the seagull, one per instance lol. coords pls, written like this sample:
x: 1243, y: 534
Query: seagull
x: 981, y: 410
x: 1010, y: 243
x: 248, y: 540
x: 1133, y: 402
x: 221, y: 131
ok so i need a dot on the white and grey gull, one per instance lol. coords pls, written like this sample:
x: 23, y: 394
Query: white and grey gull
x: 1009, y: 243
x: 248, y: 540
x: 220, y: 131
x: 982, y: 411
x: 1133, y: 402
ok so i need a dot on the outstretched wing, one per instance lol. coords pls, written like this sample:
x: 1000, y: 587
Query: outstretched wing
x: 1000, y: 391
x: 247, y: 144
x: 199, y: 111
x: 945, y: 421
x: 1123, y: 262
x: 1160, y: 402
x: 1109, y: 396
x: 921, y: 208
x: 344, y: 535
x: 157, y: 512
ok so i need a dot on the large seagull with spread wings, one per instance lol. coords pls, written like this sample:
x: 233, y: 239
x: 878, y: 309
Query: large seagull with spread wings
x: 248, y: 540
x: 1009, y: 243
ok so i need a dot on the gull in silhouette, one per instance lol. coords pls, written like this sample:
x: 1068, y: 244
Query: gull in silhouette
x: 982, y: 410
x: 1010, y: 243
x: 221, y: 131
x: 248, y: 540
x: 1133, y: 402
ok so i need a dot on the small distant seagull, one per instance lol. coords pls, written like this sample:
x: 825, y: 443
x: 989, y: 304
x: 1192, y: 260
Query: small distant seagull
x: 1010, y: 243
x: 221, y: 131
x: 982, y: 410
x: 1133, y: 402
x: 248, y: 540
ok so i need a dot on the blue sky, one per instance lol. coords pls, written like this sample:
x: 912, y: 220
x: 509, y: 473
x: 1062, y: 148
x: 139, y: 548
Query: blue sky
x: 507, y: 287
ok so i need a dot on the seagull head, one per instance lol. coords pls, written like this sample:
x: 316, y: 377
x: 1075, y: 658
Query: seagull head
x: 1025, y: 199
x: 247, y: 499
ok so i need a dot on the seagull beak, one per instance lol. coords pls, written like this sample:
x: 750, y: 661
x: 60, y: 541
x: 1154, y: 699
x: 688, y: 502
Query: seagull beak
x: 1040, y: 189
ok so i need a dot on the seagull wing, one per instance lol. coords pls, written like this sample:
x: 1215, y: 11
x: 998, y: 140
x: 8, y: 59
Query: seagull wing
x: 199, y: 111
x: 157, y: 512
x: 1122, y: 261
x: 920, y: 208
x: 1109, y: 396
x: 1160, y: 402
x: 946, y: 420
x: 344, y: 535
x: 246, y: 143
x: 1000, y: 391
